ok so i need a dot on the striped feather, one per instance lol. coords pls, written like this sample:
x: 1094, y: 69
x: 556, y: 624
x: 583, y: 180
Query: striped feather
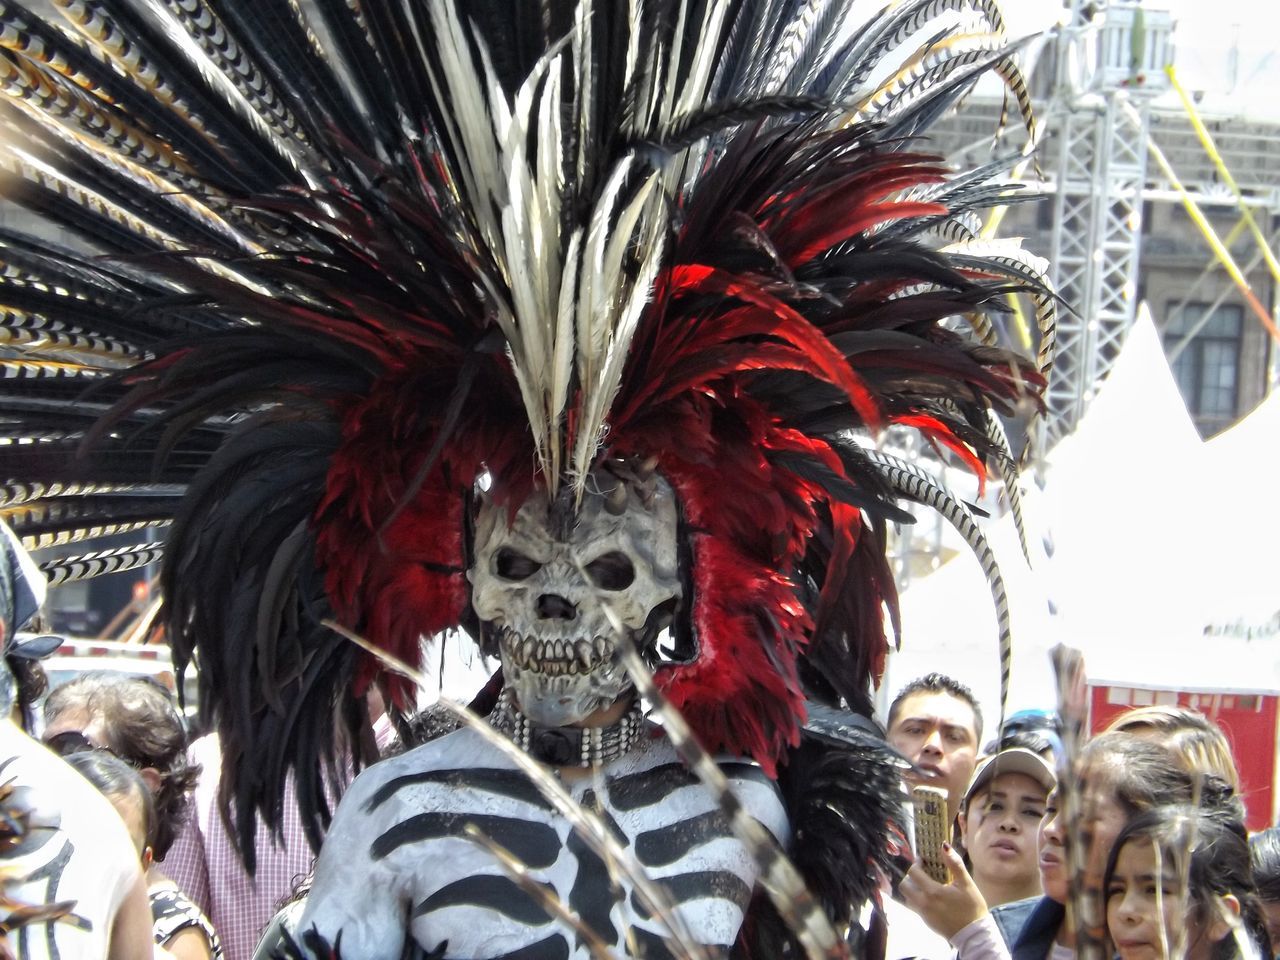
x: 205, y: 28
x: 17, y: 493
x: 518, y: 235
x: 1007, y: 464
x: 82, y: 532
x: 100, y: 563
x: 1009, y: 258
x: 916, y: 485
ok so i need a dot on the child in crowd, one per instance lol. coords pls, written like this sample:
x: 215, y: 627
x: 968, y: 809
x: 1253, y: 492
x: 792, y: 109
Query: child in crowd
x: 1264, y: 848
x: 1122, y: 777
x: 1178, y: 884
x: 177, y: 924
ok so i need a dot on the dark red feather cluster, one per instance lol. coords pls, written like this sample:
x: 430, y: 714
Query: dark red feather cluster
x: 783, y: 277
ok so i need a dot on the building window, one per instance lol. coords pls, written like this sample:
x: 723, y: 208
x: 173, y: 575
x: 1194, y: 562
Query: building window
x: 1207, y: 360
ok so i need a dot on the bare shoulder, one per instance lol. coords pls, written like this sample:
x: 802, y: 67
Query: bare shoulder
x: 412, y: 779
x: 655, y: 775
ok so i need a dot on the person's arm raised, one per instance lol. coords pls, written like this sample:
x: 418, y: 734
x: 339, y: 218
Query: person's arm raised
x: 954, y: 910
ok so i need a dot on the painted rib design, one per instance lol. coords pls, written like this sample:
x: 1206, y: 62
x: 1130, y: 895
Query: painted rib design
x: 497, y: 894
x: 694, y: 886
x: 505, y: 783
x: 644, y: 789
x: 800, y: 910
x: 535, y: 844
x: 666, y: 845
x: 592, y: 895
x: 560, y: 874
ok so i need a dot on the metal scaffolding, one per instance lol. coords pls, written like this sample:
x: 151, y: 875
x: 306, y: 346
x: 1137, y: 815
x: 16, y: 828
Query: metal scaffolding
x: 1104, y: 60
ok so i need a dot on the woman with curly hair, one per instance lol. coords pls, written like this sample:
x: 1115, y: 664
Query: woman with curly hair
x: 135, y: 720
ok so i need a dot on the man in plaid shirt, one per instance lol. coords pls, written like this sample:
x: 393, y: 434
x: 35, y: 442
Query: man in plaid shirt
x: 203, y: 860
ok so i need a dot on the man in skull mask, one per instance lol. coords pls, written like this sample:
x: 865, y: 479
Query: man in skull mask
x: 542, y: 588
x: 551, y: 321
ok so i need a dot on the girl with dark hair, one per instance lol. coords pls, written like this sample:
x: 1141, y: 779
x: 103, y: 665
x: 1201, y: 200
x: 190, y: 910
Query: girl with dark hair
x: 125, y: 789
x: 1178, y: 884
x: 177, y: 924
x: 1264, y: 848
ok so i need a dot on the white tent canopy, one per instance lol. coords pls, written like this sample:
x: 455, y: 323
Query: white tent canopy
x: 1155, y: 537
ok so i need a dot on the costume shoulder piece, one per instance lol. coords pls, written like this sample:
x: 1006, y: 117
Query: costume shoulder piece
x: 371, y: 310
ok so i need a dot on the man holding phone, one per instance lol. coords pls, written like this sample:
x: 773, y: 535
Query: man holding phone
x: 936, y: 723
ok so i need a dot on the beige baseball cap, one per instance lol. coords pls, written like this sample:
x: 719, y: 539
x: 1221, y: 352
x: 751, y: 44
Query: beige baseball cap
x: 1013, y: 760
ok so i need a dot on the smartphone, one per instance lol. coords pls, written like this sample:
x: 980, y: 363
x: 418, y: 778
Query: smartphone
x: 932, y: 828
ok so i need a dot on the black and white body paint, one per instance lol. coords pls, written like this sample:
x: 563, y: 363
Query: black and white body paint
x: 398, y: 864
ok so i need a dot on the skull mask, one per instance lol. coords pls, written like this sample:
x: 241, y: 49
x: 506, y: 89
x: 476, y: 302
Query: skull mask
x: 539, y: 586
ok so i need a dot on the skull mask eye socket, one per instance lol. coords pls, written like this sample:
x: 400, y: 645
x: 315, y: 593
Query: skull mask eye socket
x: 513, y: 565
x: 612, y: 571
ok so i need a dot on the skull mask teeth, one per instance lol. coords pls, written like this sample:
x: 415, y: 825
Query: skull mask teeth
x: 540, y: 592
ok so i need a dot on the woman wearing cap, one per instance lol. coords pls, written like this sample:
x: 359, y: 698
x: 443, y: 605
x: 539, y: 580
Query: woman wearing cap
x: 999, y: 820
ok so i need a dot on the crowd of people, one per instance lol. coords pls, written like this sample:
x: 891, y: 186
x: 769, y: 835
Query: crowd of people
x: 563, y: 325
x: 1142, y: 854
x: 1152, y: 860
x: 1162, y: 863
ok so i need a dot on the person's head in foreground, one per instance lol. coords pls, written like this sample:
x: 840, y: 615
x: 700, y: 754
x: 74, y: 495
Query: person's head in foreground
x: 1122, y: 776
x: 1000, y: 820
x: 936, y: 723
x: 1178, y: 884
x: 125, y: 789
x: 1192, y: 739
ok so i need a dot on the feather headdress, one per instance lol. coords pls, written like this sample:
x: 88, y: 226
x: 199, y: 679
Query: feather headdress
x: 357, y: 256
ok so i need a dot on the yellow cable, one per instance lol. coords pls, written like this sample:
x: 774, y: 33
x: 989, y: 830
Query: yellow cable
x: 1200, y: 220
x: 1206, y: 140
x: 1020, y: 324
